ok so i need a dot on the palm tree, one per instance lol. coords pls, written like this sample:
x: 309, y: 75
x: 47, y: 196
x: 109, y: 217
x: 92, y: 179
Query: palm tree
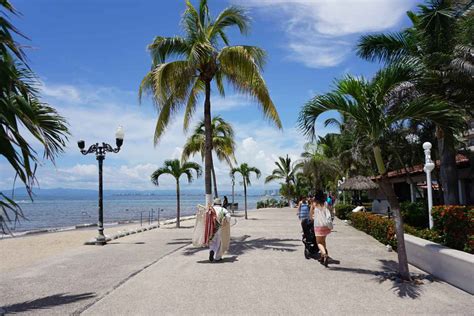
x: 367, y: 104
x: 201, y: 57
x: 23, y: 113
x: 434, y: 45
x: 245, y: 170
x: 223, y: 144
x: 285, y: 171
x: 177, y: 169
x: 319, y: 168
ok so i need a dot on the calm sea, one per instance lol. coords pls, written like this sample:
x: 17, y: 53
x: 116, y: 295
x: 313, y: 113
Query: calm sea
x: 46, y: 213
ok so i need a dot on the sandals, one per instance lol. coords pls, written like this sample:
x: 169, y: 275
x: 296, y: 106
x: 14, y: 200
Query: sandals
x: 326, y: 260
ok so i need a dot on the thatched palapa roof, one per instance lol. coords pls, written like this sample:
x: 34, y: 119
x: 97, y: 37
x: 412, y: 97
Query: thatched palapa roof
x: 359, y: 183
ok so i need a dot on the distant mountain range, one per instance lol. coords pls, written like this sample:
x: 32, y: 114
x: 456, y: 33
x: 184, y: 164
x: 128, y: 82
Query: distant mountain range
x: 21, y: 193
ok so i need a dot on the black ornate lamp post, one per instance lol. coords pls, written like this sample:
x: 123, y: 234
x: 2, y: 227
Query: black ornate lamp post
x: 100, y: 151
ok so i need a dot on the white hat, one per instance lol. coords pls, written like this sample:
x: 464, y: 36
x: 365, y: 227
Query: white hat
x: 217, y: 201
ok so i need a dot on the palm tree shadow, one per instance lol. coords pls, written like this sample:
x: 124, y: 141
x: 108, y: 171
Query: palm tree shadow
x: 47, y: 302
x: 388, y: 272
x: 180, y: 241
x: 242, y: 244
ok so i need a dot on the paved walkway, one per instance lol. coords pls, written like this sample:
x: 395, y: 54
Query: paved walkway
x: 158, y: 272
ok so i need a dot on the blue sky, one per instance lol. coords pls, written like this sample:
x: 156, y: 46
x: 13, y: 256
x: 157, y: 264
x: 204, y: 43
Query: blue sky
x: 91, y: 55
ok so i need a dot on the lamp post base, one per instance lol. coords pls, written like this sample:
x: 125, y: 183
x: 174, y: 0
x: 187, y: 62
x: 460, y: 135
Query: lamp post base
x: 97, y: 241
x: 100, y: 241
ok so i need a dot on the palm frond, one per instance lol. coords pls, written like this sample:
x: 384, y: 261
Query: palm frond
x: 163, y: 48
x: 384, y: 47
x: 197, y: 88
x: 241, y: 67
x: 231, y: 16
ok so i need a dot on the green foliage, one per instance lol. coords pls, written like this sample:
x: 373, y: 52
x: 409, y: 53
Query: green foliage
x: 176, y: 169
x: 453, y: 227
x: 383, y: 229
x: 183, y: 68
x: 271, y: 203
x: 223, y: 143
x: 288, y: 191
x: 343, y: 210
x: 415, y: 214
x: 380, y: 228
x: 24, y: 119
x: 320, y: 170
x: 245, y: 170
x: 285, y: 171
x: 455, y: 223
x: 425, y: 233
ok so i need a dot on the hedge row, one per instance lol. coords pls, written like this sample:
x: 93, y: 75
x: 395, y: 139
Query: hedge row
x: 271, y: 203
x: 343, y: 210
x: 381, y: 228
x: 453, y: 227
x: 455, y: 224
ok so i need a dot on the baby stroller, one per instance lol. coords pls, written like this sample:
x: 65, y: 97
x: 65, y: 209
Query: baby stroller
x: 309, y: 239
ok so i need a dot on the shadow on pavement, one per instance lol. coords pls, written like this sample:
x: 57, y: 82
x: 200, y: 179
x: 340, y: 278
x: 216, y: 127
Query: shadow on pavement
x: 231, y: 259
x: 243, y: 244
x: 47, y: 302
x: 388, y: 272
x: 126, y: 243
x: 180, y: 241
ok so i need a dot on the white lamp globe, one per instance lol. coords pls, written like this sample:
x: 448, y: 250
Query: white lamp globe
x: 120, y: 134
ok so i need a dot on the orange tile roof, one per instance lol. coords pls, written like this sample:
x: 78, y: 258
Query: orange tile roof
x: 460, y: 160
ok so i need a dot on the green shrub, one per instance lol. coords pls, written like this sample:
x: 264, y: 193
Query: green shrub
x: 415, y: 214
x: 271, y: 203
x: 455, y: 224
x: 383, y: 229
x: 428, y: 234
x: 343, y: 210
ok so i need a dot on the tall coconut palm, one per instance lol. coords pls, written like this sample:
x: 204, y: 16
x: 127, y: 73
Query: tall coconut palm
x: 176, y: 169
x: 285, y: 171
x: 245, y: 170
x: 183, y: 69
x: 432, y: 44
x: 367, y: 104
x: 22, y: 113
x: 223, y: 144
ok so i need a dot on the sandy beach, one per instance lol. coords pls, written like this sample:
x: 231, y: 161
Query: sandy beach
x: 26, y: 250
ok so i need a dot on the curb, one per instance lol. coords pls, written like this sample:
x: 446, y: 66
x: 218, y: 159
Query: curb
x: 121, y: 234
x: 138, y: 230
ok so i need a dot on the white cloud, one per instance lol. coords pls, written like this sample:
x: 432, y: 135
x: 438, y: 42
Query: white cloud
x: 61, y: 92
x: 96, y: 119
x: 231, y: 102
x: 320, y: 32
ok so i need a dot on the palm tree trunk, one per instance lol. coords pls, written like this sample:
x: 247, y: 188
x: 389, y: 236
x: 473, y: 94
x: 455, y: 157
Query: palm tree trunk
x: 208, y: 144
x: 245, y: 198
x: 214, y: 180
x: 288, y: 187
x: 389, y: 192
x: 448, y: 170
x: 178, y: 207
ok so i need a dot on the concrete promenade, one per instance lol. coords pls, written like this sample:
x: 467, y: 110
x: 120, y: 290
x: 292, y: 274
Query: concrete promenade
x: 265, y: 272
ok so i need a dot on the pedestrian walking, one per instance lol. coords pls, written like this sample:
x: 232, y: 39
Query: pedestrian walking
x: 330, y: 204
x: 322, y: 225
x: 303, y: 209
x: 218, y: 228
x: 225, y: 203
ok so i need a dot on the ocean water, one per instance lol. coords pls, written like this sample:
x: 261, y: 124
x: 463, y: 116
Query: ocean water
x: 48, y: 213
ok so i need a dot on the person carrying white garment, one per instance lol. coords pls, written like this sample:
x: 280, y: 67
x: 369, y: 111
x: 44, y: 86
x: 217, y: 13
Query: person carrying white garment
x: 219, y: 243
